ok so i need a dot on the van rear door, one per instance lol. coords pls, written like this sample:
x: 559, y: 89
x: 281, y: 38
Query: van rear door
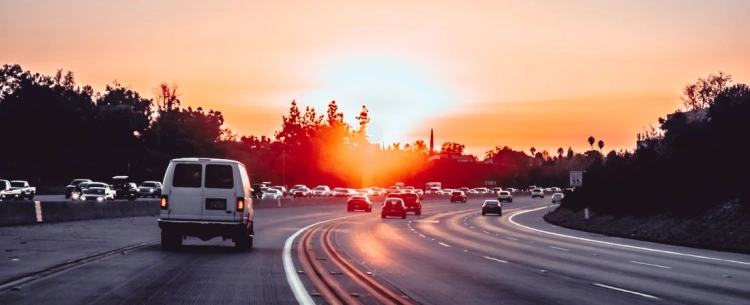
x: 219, y: 193
x: 186, y: 193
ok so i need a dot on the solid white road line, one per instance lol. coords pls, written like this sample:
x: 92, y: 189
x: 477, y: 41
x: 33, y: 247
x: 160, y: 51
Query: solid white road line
x: 615, y: 244
x: 445, y: 245
x: 291, y: 275
x: 627, y: 291
x: 495, y: 259
x: 652, y: 265
x: 558, y: 248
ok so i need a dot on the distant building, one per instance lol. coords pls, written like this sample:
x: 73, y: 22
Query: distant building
x: 459, y: 158
x: 693, y: 116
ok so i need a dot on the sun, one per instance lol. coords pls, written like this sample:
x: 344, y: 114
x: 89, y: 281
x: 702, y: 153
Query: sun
x: 400, y: 94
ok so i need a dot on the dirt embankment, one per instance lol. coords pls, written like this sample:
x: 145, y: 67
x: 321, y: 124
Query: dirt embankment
x: 725, y: 227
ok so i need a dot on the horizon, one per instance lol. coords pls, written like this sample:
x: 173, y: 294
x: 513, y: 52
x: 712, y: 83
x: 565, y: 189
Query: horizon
x: 517, y: 74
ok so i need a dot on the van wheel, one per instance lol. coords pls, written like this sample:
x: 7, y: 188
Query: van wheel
x: 243, y: 243
x: 170, y: 240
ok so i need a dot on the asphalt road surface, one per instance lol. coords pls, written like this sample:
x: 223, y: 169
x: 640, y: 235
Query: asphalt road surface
x: 449, y: 255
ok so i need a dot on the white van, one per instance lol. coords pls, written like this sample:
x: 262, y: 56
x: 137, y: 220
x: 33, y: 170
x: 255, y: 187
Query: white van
x: 206, y: 198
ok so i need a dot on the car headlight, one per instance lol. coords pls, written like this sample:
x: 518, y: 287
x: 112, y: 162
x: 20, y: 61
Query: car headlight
x: 151, y: 190
x: 99, y: 198
x: 82, y: 197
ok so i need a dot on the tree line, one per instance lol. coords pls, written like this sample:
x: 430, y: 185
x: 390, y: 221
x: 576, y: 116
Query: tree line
x: 55, y: 130
x: 686, y: 166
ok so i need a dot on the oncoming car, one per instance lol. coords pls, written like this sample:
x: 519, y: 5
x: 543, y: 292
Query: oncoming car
x: 492, y: 207
x: 557, y: 197
x: 94, y: 193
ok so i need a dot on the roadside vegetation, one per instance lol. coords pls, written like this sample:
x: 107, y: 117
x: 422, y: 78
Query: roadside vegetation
x: 690, y: 164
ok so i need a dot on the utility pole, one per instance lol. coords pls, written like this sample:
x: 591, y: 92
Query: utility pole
x: 283, y: 165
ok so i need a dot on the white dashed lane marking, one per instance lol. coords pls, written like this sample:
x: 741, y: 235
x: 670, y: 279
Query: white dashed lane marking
x: 627, y: 291
x: 652, y: 265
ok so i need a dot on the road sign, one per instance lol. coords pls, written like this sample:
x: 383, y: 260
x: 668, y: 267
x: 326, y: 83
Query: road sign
x: 576, y: 178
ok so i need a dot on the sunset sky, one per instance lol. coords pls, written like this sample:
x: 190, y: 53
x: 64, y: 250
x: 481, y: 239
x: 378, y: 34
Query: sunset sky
x: 525, y: 73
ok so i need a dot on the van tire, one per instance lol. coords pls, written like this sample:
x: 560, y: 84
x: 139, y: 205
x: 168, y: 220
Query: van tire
x: 170, y: 240
x: 243, y: 243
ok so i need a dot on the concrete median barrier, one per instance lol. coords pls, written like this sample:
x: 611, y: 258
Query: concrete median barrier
x: 31, y: 212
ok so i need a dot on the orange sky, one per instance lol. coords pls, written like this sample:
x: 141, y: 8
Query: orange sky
x: 482, y: 73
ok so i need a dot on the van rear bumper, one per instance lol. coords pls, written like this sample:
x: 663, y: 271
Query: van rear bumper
x: 207, y: 229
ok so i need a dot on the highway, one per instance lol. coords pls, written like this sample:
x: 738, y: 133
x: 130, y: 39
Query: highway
x: 448, y: 255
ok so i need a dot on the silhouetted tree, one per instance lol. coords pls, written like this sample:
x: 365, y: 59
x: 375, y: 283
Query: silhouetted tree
x: 452, y: 148
x: 591, y: 142
x: 601, y: 145
x: 702, y: 93
x: 570, y: 153
x: 533, y: 151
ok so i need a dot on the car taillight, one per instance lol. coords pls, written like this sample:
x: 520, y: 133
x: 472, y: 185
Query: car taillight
x: 164, y: 202
x: 240, y: 204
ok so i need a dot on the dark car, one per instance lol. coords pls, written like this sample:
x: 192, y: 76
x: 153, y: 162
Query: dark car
x: 124, y: 187
x: 458, y: 196
x: 78, y: 189
x: 150, y: 189
x: 359, y: 203
x: 72, y: 187
x: 411, y: 201
x: 258, y: 189
x: 393, y: 207
x: 492, y: 207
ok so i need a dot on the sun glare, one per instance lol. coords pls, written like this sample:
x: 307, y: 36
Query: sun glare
x: 399, y: 93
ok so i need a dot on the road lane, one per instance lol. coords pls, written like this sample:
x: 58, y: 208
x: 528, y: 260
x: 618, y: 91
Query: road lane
x: 431, y: 273
x: 702, y: 281
x: 200, y: 273
x: 449, y: 255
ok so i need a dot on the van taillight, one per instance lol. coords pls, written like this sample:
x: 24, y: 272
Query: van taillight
x: 240, y: 204
x: 164, y: 202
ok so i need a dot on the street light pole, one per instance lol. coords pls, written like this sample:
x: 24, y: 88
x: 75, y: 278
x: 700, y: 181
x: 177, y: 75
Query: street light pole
x: 283, y: 165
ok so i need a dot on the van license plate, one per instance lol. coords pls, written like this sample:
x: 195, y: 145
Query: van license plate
x: 216, y: 204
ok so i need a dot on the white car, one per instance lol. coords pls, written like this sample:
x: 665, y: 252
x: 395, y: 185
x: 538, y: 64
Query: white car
x: 109, y: 192
x: 271, y: 193
x: 446, y: 191
x: 537, y: 193
x: 365, y: 192
x: 393, y: 189
x: 94, y: 194
x: 321, y: 191
x: 206, y: 198
x: 557, y: 197
x: 504, y: 196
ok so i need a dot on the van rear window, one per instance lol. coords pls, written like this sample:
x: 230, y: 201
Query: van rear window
x: 187, y: 175
x: 219, y: 176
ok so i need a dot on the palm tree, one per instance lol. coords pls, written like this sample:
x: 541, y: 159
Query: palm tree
x: 560, y: 152
x: 591, y: 142
x: 601, y: 145
x: 533, y: 150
